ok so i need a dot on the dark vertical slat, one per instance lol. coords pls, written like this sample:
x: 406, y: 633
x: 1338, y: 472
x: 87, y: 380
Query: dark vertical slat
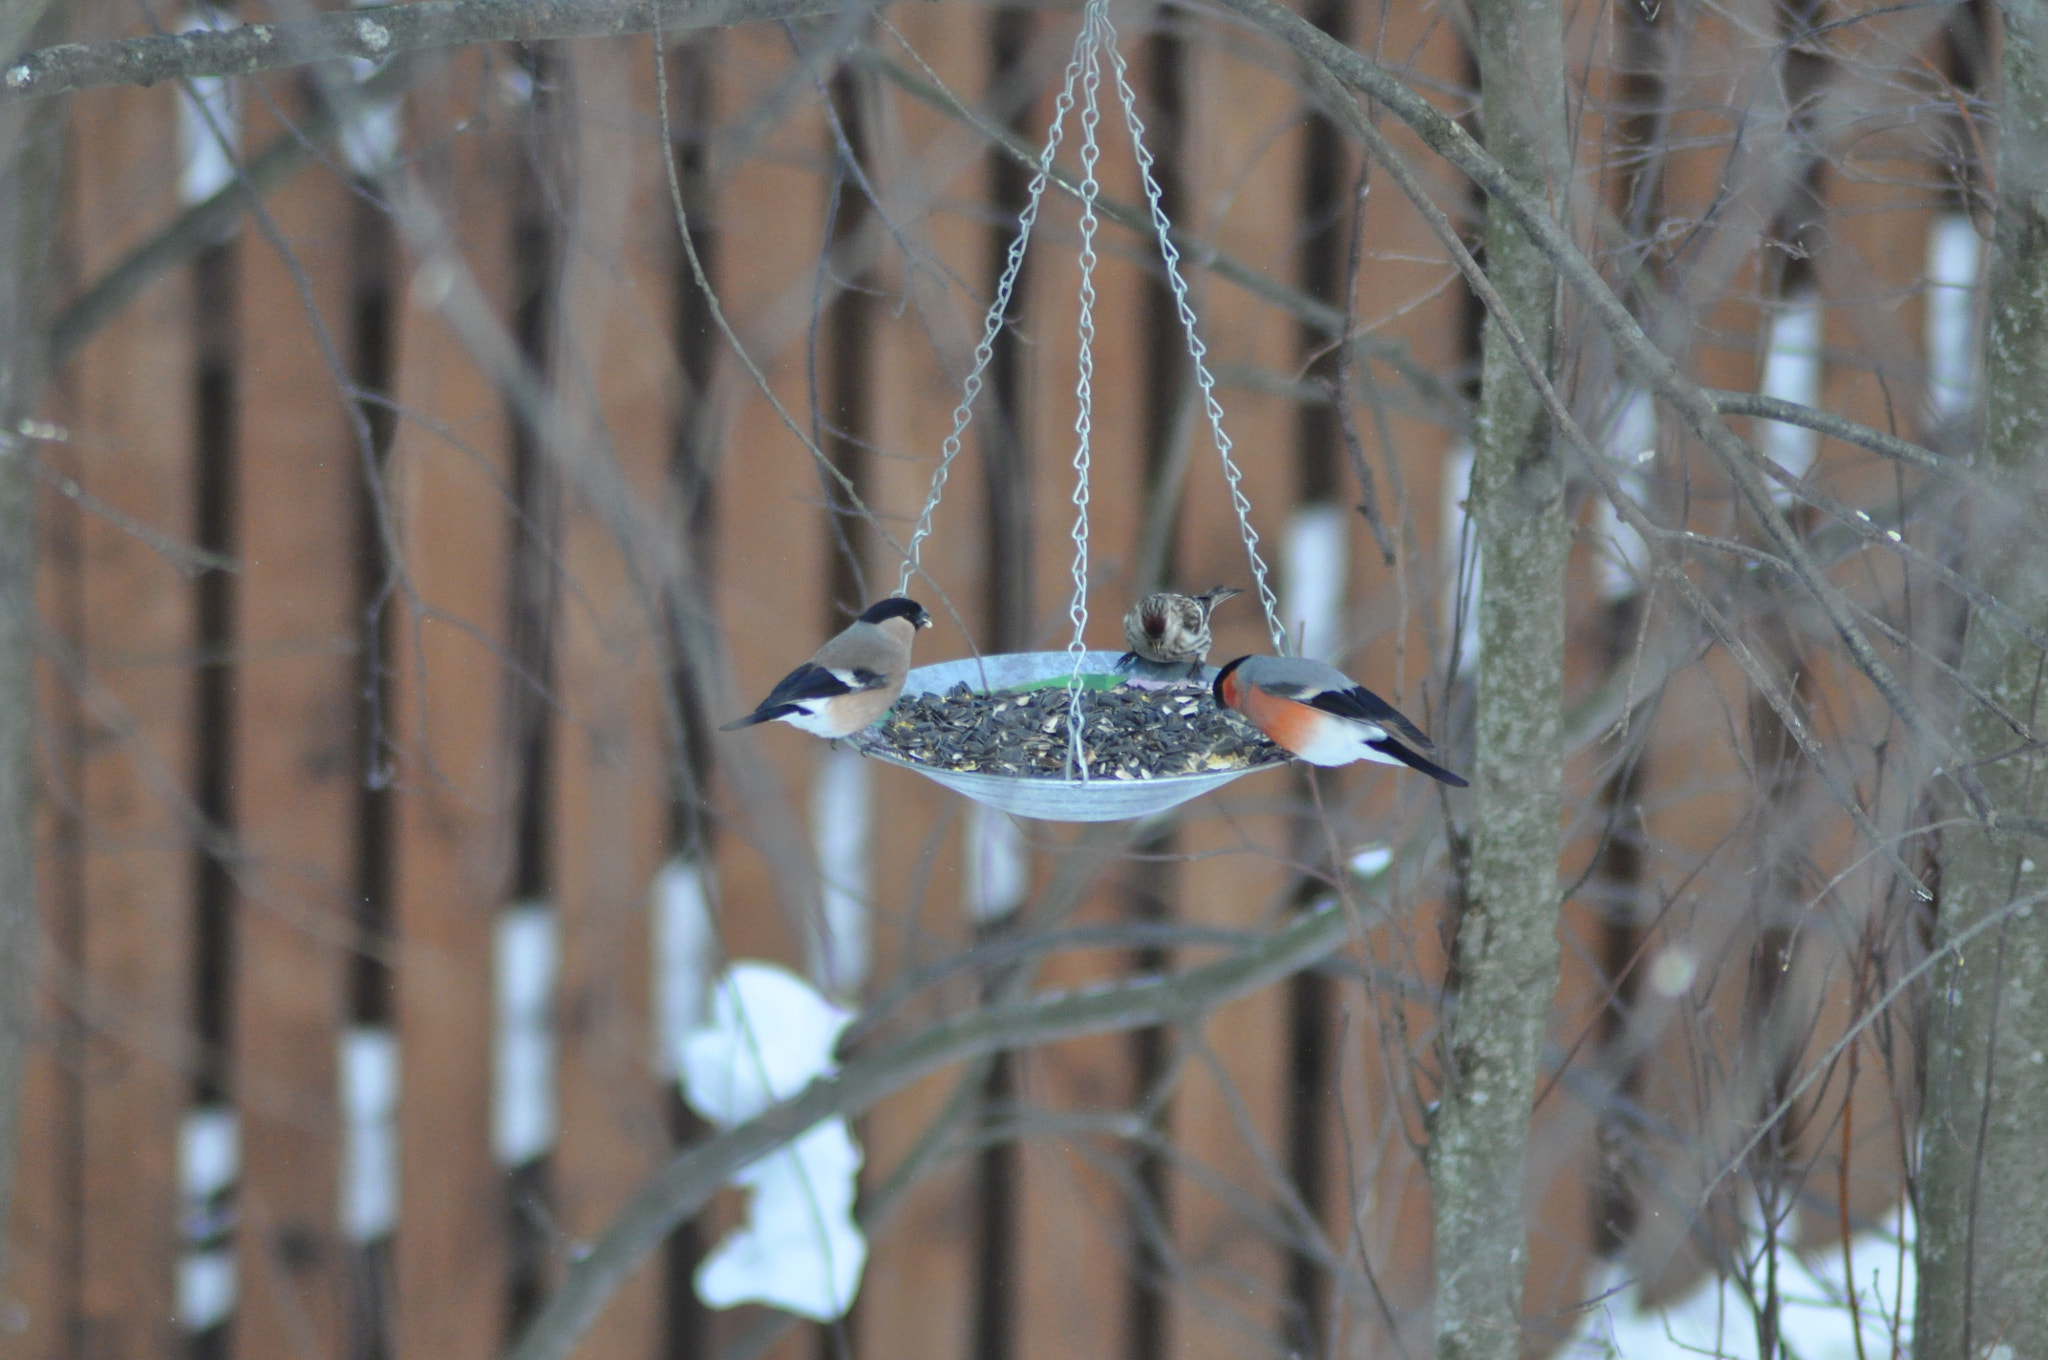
x: 1311, y: 1016
x: 1006, y: 463
x: 1071, y: 1202
x: 1005, y: 456
x: 217, y: 458
x: 844, y: 338
x: 686, y: 1325
x: 543, y: 191
x: 1151, y: 885
x: 375, y: 280
x: 1642, y: 111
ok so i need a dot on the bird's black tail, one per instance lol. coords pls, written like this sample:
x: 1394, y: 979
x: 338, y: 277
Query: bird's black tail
x: 760, y: 715
x: 1416, y: 762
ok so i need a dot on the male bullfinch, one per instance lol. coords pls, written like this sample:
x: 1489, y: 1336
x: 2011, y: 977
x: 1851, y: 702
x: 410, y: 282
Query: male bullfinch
x: 1168, y: 630
x: 851, y: 680
x: 1323, y: 715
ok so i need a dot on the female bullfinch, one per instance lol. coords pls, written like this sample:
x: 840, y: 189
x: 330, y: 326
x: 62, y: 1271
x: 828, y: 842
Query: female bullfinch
x: 851, y: 680
x: 1323, y: 715
x: 1168, y: 630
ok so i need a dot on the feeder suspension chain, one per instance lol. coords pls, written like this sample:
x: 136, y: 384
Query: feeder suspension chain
x: 1094, y: 34
x: 1198, y: 352
x: 999, y: 308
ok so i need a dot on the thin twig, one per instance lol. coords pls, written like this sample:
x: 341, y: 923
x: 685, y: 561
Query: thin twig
x: 689, y: 1182
x: 372, y: 34
x: 1649, y: 365
x: 1831, y: 425
x: 1368, y: 496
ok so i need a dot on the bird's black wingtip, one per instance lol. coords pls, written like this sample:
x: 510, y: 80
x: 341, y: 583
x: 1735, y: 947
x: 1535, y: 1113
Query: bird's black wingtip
x: 1416, y: 761
x: 767, y: 713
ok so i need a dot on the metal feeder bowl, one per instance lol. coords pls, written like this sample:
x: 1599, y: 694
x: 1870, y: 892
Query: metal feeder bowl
x: 1051, y: 800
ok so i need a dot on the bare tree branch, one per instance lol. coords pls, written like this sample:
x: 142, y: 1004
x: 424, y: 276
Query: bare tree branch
x: 691, y: 1180
x: 30, y: 159
x: 1984, y: 1188
x: 1833, y: 426
x: 1649, y: 365
x: 1504, y: 965
x: 372, y: 35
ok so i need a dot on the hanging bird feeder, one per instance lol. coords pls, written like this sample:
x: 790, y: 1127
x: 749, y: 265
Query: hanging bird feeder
x: 1057, y: 735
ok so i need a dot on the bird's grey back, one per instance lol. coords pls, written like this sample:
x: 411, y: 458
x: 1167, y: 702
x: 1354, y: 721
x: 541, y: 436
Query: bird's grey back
x: 882, y: 647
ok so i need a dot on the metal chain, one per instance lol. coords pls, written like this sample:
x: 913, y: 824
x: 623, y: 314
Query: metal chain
x: 1084, y: 68
x: 1197, y: 350
x: 1095, y: 34
x: 998, y: 310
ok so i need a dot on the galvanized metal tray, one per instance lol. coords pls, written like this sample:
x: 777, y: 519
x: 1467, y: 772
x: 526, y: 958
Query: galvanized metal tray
x: 1041, y: 798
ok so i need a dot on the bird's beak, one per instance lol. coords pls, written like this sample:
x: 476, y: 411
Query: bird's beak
x: 925, y: 622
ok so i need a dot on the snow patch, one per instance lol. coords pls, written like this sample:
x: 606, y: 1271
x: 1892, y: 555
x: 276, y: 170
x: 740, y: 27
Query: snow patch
x: 842, y: 834
x: 1316, y: 562
x: 770, y: 1035
x: 523, y: 1115
x: 998, y: 866
x: 1718, y: 1320
x: 369, y: 1073
x: 1792, y: 372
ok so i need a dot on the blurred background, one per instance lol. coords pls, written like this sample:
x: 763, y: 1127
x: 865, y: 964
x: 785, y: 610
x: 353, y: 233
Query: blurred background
x: 408, y: 526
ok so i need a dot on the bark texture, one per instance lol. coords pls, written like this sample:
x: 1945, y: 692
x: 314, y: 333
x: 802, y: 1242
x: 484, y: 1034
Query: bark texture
x: 1984, y: 1179
x: 1505, y: 961
x: 28, y: 212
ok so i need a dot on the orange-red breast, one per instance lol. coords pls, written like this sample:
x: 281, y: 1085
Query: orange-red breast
x: 1324, y: 716
x: 851, y: 680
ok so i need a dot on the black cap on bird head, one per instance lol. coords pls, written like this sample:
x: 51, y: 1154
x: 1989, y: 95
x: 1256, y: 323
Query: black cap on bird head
x: 897, y: 607
x: 1216, y: 685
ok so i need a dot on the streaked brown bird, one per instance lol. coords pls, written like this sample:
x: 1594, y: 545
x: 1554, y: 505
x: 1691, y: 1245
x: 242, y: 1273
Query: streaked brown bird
x: 851, y: 680
x: 1167, y: 629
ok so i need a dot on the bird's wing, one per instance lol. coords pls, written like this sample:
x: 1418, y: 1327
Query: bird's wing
x: 813, y: 682
x: 1361, y: 703
x: 864, y: 656
x: 1329, y: 689
x: 1417, y: 762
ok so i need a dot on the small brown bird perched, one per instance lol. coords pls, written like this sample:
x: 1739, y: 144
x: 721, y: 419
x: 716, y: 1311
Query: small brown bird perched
x: 1168, y: 630
x: 851, y: 680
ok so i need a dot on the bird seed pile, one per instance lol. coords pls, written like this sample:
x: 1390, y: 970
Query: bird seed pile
x: 1127, y: 733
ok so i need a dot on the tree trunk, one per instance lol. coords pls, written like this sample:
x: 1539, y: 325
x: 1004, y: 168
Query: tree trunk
x: 1984, y: 1180
x: 1505, y: 961
x: 28, y: 212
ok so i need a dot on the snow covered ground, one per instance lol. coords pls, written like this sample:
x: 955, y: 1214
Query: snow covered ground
x: 1719, y: 1318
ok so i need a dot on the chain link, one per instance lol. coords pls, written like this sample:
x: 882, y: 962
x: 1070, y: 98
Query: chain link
x: 998, y: 310
x: 1198, y: 352
x: 1095, y: 35
x: 1084, y: 69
